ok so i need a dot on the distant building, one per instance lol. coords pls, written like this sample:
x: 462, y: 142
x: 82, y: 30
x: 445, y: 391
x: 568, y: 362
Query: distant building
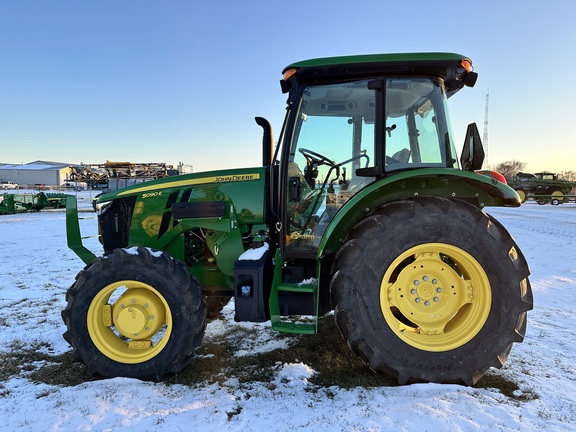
x: 36, y: 174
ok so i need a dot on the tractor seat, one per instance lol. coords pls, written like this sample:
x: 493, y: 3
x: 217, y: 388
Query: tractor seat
x: 400, y: 156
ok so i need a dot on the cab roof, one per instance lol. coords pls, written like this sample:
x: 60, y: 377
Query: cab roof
x: 451, y: 67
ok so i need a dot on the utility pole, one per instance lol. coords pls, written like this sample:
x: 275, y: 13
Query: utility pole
x: 485, y: 137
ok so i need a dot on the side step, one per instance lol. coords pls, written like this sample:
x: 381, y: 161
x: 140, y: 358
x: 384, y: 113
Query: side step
x: 290, y: 324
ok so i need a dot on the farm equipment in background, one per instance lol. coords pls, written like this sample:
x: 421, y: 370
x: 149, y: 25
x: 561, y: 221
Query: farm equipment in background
x: 57, y: 200
x: 20, y: 203
x: 544, y: 188
x: 117, y: 175
x: 362, y: 209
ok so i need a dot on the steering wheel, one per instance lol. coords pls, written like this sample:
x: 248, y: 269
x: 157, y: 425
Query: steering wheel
x: 314, y: 160
x: 316, y: 157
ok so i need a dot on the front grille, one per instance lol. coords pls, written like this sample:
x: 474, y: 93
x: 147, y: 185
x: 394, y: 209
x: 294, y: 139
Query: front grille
x: 114, y: 224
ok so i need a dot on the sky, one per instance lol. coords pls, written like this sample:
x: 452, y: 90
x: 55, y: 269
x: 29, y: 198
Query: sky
x: 181, y: 81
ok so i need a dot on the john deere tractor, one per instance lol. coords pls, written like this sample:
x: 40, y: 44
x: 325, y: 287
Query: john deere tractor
x: 363, y: 208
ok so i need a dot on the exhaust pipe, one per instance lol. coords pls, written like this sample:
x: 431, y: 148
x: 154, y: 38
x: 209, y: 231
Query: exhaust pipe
x: 267, y: 140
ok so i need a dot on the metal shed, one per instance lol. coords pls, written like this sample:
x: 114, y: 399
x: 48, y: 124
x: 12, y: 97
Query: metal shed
x: 35, y: 174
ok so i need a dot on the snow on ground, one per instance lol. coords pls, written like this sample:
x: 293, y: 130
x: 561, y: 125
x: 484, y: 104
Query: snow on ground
x: 36, y: 268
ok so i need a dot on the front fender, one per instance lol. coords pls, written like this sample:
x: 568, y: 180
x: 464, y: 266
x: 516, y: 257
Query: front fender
x: 480, y: 189
x: 73, y: 231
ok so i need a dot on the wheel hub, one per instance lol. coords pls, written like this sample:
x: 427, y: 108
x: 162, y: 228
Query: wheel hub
x: 429, y: 293
x: 425, y: 290
x: 131, y: 320
x: 138, y: 314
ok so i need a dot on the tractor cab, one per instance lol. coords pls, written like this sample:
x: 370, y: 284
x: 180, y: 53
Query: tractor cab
x: 356, y: 123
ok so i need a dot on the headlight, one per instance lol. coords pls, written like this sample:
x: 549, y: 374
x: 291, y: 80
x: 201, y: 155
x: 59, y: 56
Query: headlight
x: 101, y: 207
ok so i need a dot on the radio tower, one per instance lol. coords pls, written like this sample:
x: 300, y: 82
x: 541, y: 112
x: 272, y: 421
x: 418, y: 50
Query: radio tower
x: 485, y: 137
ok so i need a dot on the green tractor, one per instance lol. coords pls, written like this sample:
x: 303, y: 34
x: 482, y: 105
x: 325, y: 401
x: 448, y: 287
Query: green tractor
x: 363, y: 209
x: 543, y: 187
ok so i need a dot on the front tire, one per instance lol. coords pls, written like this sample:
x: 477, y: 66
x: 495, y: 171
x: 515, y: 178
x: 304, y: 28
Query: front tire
x: 135, y: 313
x: 431, y: 290
x: 557, y: 197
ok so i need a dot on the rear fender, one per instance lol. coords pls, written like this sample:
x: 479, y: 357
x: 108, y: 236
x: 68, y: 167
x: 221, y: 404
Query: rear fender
x: 478, y: 189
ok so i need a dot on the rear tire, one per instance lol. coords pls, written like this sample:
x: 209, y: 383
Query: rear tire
x: 431, y: 290
x: 135, y: 313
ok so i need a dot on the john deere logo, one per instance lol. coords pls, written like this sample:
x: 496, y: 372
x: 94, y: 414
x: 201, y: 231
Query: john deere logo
x: 237, y: 178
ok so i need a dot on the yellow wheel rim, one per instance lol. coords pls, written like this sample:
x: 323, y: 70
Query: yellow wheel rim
x: 129, y: 321
x: 435, y: 297
x: 558, y: 194
x: 522, y: 195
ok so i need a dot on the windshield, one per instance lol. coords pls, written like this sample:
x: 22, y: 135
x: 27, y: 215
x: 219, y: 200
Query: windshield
x: 346, y: 134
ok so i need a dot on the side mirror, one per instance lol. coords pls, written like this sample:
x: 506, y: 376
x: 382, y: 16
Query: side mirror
x: 473, y: 152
